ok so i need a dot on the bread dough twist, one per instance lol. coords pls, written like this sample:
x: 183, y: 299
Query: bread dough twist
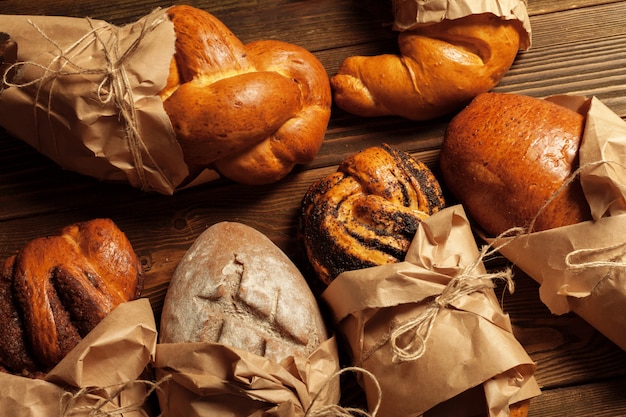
x: 252, y: 112
x: 56, y: 289
x: 367, y: 212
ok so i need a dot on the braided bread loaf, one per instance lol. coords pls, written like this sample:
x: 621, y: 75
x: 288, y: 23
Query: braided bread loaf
x: 57, y: 288
x: 439, y: 69
x: 252, y: 112
x: 367, y: 212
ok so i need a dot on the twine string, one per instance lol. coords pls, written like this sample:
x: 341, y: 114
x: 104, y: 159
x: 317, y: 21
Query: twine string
x: 465, y: 282
x: 114, y: 88
x: 571, y: 178
x: 334, y: 410
x: 579, y: 265
x: 69, y: 402
x: 571, y: 261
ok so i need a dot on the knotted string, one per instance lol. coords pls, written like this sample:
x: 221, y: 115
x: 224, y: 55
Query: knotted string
x: 333, y: 410
x: 69, y: 402
x: 465, y: 282
x: 114, y: 88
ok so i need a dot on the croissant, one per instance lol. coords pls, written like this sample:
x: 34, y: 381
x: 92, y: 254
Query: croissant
x: 439, y: 69
x: 367, y: 212
x: 251, y: 111
x: 56, y: 289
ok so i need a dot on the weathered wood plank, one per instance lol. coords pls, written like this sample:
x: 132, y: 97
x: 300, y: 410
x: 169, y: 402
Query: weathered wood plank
x: 569, y: 55
x: 602, y: 399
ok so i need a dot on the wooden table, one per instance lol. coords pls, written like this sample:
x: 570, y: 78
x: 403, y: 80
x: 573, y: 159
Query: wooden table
x: 579, y: 47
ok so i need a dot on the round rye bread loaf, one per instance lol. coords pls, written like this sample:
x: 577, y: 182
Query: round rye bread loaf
x: 234, y: 286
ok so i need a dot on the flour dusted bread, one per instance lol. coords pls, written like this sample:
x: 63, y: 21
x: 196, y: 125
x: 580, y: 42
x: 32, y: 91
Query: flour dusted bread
x: 57, y: 288
x: 505, y: 156
x: 253, y: 111
x: 234, y: 286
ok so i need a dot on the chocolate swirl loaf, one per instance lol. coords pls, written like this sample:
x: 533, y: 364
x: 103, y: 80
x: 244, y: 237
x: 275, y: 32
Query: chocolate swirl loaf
x: 57, y: 288
x: 367, y: 212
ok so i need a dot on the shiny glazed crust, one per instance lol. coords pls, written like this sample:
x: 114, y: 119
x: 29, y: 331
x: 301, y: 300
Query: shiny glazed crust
x: 505, y: 155
x: 519, y: 409
x: 57, y: 288
x: 252, y: 112
x: 367, y: 212
x: 439, y: 69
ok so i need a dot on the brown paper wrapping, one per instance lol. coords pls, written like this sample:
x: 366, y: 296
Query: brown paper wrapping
x: 101, y: 373
x: 214, y: 380
x: 410, y: 14
x: 581, y: 268
x: 85, y: 95
x: 470, y: 351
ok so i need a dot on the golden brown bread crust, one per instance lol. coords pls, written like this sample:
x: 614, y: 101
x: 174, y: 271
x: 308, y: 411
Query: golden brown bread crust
x: 519, y: 409
x: 439, y: 69
x: 505, y: 155
x: 252, y: 112
x: 57, y: 288
x: 367, y: 212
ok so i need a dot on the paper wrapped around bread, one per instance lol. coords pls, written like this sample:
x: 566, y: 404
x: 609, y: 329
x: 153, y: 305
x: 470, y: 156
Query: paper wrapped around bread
x: 537, y: 164
x: 169, y: 101
x: 449, y: 52
x: 56, y: 289
x: 106, y: 374
x: 239, y: 317
x: 431, y: 329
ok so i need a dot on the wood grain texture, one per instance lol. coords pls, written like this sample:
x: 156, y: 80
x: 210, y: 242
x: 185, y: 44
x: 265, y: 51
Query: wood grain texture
x: 579, y: 47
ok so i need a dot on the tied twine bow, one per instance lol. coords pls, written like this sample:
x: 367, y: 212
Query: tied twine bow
x: 106, y: 406
x: 465, y: 282
x: 114, y: 88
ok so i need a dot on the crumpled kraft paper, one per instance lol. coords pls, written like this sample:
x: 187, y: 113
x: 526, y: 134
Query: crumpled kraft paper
x: 468, y: 345
x: 103, y: 372
x: 582, y: 267
x: 85, y: 95
x: 411, y: 14
x: 215, y: 380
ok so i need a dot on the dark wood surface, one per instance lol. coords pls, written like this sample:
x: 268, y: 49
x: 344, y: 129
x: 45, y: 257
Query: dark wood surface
x: 579, y: 47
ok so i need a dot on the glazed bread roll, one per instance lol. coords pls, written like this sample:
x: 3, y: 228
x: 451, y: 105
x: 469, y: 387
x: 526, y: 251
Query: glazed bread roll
x: 367, y: 212
x: 56, y: 289
x: 234, y: 286
x: 252, y: 112
x: 439, y: 69
x: 519, y: 409
x: 506, y: 155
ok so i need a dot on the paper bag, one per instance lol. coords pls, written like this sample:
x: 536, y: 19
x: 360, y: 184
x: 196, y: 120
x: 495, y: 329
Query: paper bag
x: 101, y: 374
x: 411, y: 14
x: 582, y: 267
x: 214, y: 380
x: 85, y: 94
x: 453, y: 339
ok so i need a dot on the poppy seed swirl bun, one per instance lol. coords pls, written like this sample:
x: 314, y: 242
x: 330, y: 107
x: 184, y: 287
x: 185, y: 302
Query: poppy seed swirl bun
x: 367, y: 212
